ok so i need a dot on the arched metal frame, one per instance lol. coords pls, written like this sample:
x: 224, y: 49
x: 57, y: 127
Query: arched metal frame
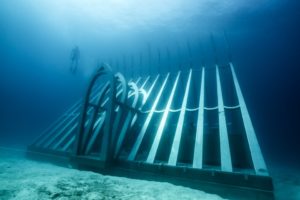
x: 107, y: 110
x: 119, y: 115
x: 112, y: 114
x: 84, y: 132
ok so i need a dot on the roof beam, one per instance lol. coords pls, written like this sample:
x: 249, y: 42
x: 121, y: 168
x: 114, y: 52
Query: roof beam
x: 198, y: 150
x: 141, y: 134
x: 154, y: 147
x: 177, y: 138
x: 226, y: 164
x: 256, y: 155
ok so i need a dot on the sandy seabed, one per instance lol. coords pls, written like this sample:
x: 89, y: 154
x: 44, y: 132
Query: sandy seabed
x: 23, y: 179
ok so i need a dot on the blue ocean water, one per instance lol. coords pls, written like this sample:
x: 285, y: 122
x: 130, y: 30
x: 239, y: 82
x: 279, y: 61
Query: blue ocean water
x: 134, y: 37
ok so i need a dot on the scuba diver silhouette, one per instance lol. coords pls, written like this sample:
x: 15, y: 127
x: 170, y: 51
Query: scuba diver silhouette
x: 75, y: 55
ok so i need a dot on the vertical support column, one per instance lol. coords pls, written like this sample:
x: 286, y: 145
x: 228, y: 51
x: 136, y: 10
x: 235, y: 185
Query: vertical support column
x: 179, y: 57
x: 168, y: 60
x: 149, y: 59
x: 140, y: 66
x: 177, y: 138
x: 198, y: 150
x: 154, y: 147
x: 189, y: 52
x: 132, y: 66
x: 226, y: 164
x: 256, y: 155
x: 141, y: 135
x: 124, y: 67
x: 117, y: 66
x: 158, y: 58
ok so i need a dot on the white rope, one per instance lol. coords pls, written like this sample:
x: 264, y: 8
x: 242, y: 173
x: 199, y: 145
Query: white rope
x: 155, y: 111
x: 211, y: 108
x: 175, y: 110
x: 232, y: 107
x: 190, y: 109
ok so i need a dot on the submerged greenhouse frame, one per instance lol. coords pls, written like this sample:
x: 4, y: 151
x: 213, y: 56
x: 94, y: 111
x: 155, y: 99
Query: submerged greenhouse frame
x: 178, y: 127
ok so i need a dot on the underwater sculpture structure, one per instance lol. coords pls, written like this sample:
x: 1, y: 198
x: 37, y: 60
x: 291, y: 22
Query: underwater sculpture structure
x: 179, y: 127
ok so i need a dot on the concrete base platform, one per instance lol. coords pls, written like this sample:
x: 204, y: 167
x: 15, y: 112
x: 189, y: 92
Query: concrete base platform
x: 235, y: 186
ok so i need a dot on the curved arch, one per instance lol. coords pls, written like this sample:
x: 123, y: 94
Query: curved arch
x: 117, y: 102
x: 86, y: 125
